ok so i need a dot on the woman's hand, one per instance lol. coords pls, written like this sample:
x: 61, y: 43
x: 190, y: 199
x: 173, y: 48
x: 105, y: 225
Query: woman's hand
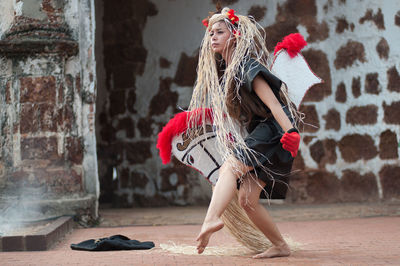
x: 291, y: 141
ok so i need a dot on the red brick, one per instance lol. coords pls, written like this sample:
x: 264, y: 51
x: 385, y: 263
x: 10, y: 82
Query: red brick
x: 145, y: 126
x: 383, y: 49
x: 324, y: 152
x: 138, y: 179
x: 318, y: 61
x: 317, y: 151
x: 123, y: 77
x: 123, y: 177
x: 397, y: 18
x: 317, y: 31
x: 186, y: 71
x: 18, y: 176
x: 377, y: 18
x: 60, y: 93
x: 164, y: 63
x: 372, y: 83
x: 69, y: 82
x: 59, y: 114
x: 341, y: 94
x: 155, y: 201
x: 390, y: 180
x: 131, y: 101
x: 349, y: 53
x: 29, y: 122
x: 48, y: 117
x: 8, y: 92
x: 362, y: 115
x: 388, y: 145
x: 393, y: 79
x: 108, y: 133
x: 322, y: 186
x: 78, y: 83
x: 276, y: 32
x: 74, y: 147
x: 64, y: 180
x: 40, y: 89
x: 356, y: 147
x: 341, y: 25
x: 126, y: 124
x: 332, y: 119
x: 138, y: 152
x: 117, y: 102
x: 39, y: 148
x: 358, y: 188
x: 308, y: 139
x: 311, y: 117
x: 298, y: 163
x: 392, y: 113
x: 68, y: 118
x: 356, y: 87
x: 164, y: 98
x: 258, y: 12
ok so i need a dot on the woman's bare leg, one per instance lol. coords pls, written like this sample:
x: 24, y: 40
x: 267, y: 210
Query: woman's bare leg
x: 249, y: 199
x: 223, y: 193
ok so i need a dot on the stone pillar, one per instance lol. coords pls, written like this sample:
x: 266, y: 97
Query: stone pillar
x: 47, y: 95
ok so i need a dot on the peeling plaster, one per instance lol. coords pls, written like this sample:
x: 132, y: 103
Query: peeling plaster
x: 18, y: 7
x: 31, y: 9
x: 5, y: 67
x: 71, y: 14
x: 6, y: 15
x: 72, y: 66
x: 34, y: 66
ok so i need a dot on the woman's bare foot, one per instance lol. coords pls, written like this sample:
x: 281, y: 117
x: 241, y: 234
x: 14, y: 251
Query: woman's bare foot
x: 207, y: 230
x: 274, y: 251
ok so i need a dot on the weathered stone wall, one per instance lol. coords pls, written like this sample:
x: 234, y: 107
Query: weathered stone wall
x: 47, y: 102
x: 150, y: 50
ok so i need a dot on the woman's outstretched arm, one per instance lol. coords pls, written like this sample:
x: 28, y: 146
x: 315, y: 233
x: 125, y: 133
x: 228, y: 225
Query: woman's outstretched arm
x: 265, y: 93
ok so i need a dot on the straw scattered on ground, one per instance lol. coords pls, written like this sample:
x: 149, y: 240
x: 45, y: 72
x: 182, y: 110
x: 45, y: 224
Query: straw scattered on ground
x: 234, y: 250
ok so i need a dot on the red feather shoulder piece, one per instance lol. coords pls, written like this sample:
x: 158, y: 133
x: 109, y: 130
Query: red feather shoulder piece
x: 175, y: 126
x: 293, y: 43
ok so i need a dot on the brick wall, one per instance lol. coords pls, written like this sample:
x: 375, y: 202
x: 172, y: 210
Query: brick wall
x: 348, y: 153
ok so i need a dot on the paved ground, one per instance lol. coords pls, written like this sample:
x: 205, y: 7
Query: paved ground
x: 348, y: 234
x: 280, y: 213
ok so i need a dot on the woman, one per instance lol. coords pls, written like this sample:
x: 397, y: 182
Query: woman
x: 233, y: 80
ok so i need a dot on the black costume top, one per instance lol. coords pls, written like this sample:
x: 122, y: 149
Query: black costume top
x: 254, y: 68
x: 265, y: 134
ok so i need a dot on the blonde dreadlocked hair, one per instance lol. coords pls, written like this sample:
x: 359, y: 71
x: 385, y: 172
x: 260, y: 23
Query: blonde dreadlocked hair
x: 221, y: 92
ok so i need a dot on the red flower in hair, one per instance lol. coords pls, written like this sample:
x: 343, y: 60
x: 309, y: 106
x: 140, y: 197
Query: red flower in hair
x: 205, y: 22
x: 236, y: 32
x: 232, y: 17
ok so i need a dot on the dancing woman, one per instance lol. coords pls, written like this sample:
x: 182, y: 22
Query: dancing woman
x: 234, y: 81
